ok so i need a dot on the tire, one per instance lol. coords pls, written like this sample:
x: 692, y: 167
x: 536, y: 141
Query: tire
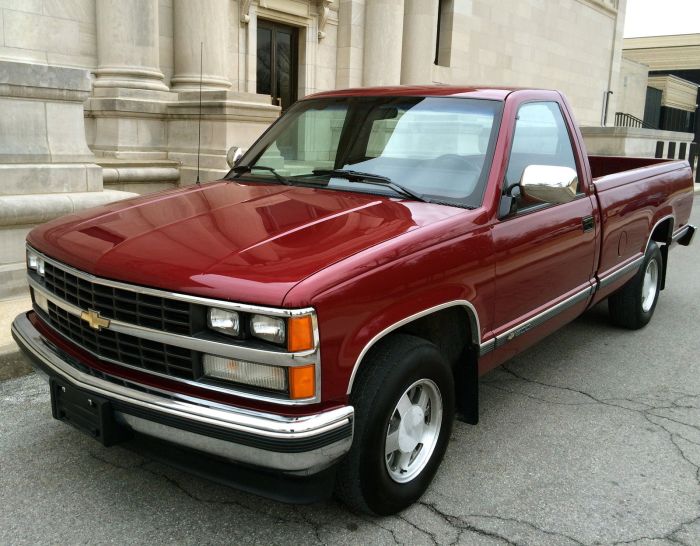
x: 400, y: 368
x: 633, y: 305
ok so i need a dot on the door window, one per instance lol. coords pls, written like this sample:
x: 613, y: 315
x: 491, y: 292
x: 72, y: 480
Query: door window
x: 540, y: 138
x: 277, y: 62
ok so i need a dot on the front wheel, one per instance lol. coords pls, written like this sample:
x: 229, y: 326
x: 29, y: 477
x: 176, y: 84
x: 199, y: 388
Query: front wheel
x: 633, y: 305
x: 404, y: 408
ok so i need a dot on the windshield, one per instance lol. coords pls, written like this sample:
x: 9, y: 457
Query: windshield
x: 434, y: 148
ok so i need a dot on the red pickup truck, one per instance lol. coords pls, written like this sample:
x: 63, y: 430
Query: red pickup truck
x: 323, y: 313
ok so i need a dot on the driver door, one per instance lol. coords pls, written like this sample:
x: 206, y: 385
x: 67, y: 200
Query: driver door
x: 544, y: 251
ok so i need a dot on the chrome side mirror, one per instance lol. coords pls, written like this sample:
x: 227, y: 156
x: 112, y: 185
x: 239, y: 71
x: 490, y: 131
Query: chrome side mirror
x: 233, y: 155
x: 549, y: 184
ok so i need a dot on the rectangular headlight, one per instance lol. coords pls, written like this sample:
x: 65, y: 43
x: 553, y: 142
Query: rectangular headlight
x: 224, y: 321
x: 268, y: 328
x: 247, y: 373
x: 35, y: 262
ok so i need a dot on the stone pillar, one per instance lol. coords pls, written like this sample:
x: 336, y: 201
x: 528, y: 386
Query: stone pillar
x: 383, y: 42
x: 127, y: 45
x: 351, y: 31
x: 419, y: 37
x: 46, y: 167
x: 202, y: 22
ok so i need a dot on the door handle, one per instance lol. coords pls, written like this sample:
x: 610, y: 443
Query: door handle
x: 588, y: 223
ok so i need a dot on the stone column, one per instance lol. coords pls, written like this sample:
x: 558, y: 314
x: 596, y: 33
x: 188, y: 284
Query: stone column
x: 127, y: 45
x: 419, y: 37
x: 383, y: 41
x: 205, y: 22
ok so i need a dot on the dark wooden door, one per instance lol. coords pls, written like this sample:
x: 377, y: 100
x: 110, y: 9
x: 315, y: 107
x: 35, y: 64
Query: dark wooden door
x: 277, y: 62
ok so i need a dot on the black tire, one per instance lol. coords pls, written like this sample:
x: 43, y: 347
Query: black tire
x: 392, y: 366
x: 626, y: 306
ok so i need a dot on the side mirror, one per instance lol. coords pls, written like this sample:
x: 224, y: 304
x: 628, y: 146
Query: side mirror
x: 549, y: 184
x: 233, y: 155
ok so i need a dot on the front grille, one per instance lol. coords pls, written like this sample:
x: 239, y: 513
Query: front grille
x: 172, y: 316
x: 118, y: 347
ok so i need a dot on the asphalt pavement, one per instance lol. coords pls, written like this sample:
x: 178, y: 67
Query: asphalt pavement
x: 593, y: 436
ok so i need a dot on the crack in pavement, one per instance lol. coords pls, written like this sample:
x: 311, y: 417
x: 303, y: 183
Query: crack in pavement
x: 650, y: 416
x: 459, y: 523
x: 101, y: 459
x: 430, y: 534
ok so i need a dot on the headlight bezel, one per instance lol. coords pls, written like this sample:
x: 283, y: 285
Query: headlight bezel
x: 35, y: 262
x: 295, y: 333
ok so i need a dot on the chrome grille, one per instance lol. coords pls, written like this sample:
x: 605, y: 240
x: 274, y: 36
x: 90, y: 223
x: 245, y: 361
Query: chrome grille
x: 133, y: 307
x: 123, y: 348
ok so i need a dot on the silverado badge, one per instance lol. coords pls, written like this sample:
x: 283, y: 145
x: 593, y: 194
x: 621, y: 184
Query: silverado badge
x: 94, y: 319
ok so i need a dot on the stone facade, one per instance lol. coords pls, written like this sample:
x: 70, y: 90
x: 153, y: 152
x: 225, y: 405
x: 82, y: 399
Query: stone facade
x: 632, y: 88
x: 101, y: 98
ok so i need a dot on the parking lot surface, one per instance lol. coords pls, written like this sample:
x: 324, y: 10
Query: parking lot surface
x: 592, y: 436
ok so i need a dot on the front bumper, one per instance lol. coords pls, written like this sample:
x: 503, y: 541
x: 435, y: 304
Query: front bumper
x: 297, y: 445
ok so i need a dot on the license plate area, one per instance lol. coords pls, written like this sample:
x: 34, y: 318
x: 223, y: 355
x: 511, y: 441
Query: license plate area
x: 90, y: 414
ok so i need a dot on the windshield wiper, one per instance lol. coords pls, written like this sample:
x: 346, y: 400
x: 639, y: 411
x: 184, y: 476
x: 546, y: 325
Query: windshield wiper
x: 370, y: 178
x: 242, y: 169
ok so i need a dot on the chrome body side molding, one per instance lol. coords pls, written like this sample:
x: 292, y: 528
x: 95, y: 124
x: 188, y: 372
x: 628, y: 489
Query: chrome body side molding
x: 541, y: 318
x: 620, y: 272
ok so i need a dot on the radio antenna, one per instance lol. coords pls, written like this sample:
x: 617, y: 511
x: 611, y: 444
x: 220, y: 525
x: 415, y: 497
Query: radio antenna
x: 199, y: 121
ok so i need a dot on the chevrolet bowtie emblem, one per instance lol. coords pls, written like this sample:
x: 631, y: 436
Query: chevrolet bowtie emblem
x: 94, y: 319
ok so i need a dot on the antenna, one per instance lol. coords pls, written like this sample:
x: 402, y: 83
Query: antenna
x: 199, y: 121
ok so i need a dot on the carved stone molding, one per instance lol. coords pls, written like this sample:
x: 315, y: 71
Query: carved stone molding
x: 245, y: 11
x: 324, y: 9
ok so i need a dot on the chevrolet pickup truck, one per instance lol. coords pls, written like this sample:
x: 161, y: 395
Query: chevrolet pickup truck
x: 323, y: 313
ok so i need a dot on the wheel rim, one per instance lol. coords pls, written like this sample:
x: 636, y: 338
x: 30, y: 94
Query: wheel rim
x: 413, y: 431
x: 650, y: 285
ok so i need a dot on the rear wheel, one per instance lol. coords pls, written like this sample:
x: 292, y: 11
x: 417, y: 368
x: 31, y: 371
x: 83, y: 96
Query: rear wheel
x: 633, y: 305
x: 404, y: 408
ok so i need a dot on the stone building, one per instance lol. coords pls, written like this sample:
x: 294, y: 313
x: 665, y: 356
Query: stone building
x: 100, y: 98
x: 672, y: 90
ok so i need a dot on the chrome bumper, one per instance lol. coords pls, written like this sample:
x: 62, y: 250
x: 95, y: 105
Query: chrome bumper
x: 299, y: 445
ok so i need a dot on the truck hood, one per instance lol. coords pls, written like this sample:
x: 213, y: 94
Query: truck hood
x: 239, y: 241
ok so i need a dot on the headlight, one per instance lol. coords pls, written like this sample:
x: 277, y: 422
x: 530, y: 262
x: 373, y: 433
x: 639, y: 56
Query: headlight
x: 226, y: 322
x: 248, y: 373
x: 270, y: 329
x: 35, y: 262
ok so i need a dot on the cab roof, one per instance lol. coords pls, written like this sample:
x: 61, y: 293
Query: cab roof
x: 480, y: 92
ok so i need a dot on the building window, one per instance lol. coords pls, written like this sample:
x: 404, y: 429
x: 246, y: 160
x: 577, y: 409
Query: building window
x: 443, y: 38
x: 277, y: 62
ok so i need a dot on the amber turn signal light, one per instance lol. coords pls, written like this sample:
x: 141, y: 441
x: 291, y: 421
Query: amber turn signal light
x: 300, y: 335
x: 302, y: 382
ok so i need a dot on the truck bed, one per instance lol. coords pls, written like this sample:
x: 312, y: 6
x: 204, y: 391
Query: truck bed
x: 602, y: 165
x: 639, y: 198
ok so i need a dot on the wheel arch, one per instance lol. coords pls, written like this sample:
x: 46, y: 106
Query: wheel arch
x: 662, y: 232
x: 454, y: 327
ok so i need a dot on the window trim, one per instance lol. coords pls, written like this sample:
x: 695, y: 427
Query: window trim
x: 536, y: 207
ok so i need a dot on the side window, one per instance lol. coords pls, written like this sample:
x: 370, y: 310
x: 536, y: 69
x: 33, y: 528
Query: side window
x: 540, y: 138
